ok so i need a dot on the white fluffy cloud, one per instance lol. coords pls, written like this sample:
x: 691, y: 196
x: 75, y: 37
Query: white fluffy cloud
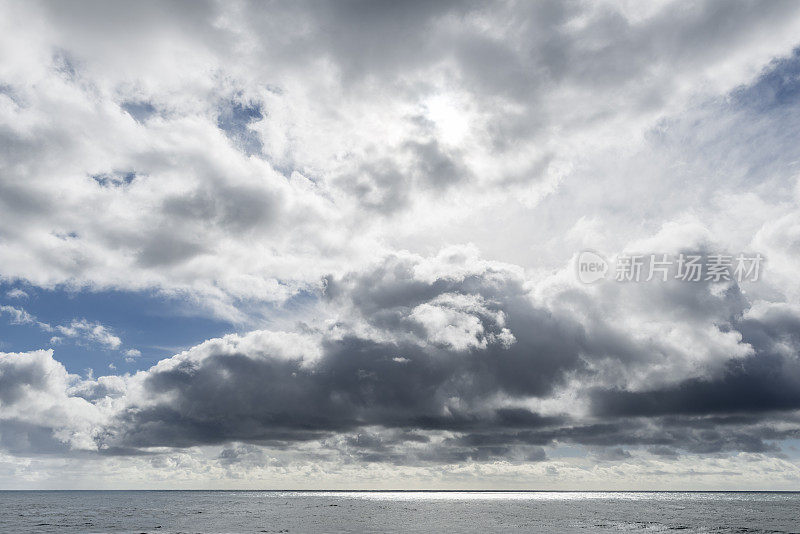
x: 128, y: 163
x: 37, y: 402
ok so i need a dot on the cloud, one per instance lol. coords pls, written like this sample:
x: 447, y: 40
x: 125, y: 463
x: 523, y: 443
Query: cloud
x: 80, y: 329
x: 500, y: 373
x: 16, y: 293
x: 39, y: 413
x: 421, y: 177
x: 262, y: 167
x: 95, y: 332
x: 17, y: 315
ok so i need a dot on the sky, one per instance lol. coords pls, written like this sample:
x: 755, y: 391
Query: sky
x: 341, y: 245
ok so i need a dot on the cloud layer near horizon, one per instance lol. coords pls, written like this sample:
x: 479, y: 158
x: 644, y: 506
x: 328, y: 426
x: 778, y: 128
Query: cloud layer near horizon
x: 424, y: 174
x: 445, y: 360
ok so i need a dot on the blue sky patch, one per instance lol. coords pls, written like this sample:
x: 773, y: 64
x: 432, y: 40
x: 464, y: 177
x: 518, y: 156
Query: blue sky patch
x: 140, y: 111
x: 778, y: 86
x: 234, y: 119
x: 156, y: 326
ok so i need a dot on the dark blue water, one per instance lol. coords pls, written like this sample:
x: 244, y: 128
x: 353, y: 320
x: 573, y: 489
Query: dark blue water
x: 286, y: 511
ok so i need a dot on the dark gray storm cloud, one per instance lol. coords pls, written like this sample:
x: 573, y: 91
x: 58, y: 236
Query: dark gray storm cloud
x: 767, y: 381
x: 402, y: 384
x: 384, y: 395
x: 384, y: 384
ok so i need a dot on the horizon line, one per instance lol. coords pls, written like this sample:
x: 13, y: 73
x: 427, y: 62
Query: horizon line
x: 415, y: 490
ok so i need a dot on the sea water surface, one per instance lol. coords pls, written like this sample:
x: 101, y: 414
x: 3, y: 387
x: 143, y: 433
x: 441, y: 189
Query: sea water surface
x: 406, y: 511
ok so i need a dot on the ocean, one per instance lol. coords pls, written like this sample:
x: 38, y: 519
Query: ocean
x: 396, y: 511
